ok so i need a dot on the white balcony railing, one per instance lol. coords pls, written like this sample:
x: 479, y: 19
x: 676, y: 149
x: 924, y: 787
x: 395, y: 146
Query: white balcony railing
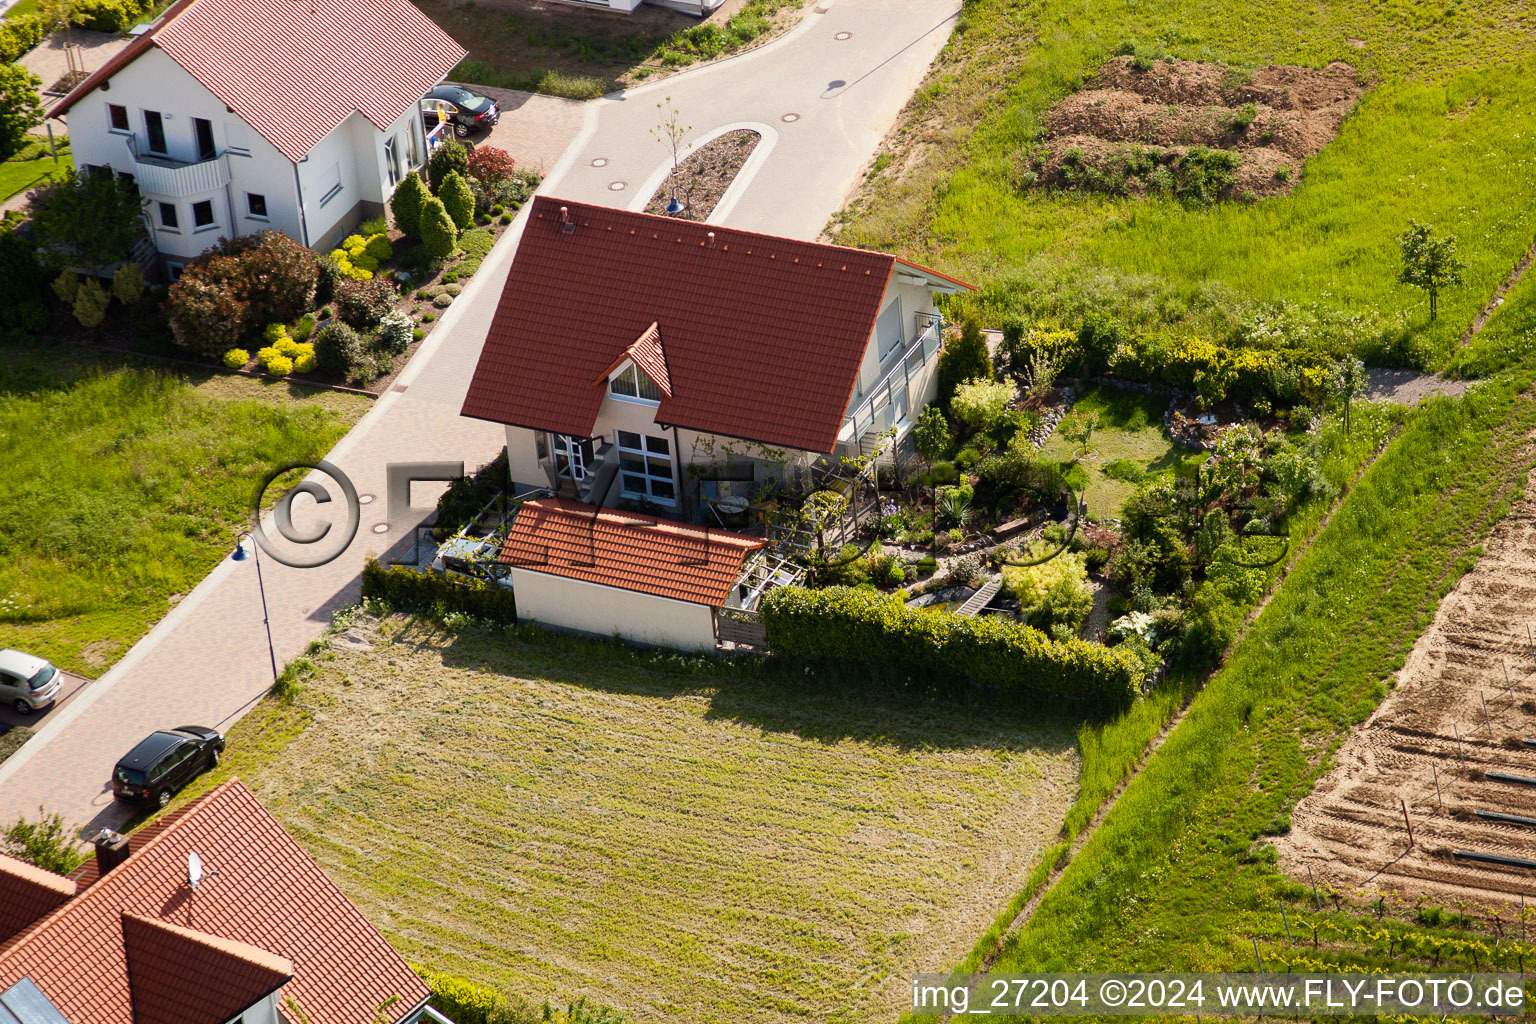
x: 160, y: 176
x: 889, y: 402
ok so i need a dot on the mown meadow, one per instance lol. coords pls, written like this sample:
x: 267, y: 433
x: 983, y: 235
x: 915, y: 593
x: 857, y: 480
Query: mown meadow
x: 1446, y: 135
x: 125, y: 485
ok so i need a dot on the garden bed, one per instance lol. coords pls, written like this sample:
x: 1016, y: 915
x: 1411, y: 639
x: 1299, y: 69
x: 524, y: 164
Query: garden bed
x: 707, y: 174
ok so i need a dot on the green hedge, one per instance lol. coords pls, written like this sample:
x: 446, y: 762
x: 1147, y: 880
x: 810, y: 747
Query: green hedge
x: 409, y: 590
x: 111, y: 15
x: 874, y: 636
x: 18, y: 35
x: 466, y: 1002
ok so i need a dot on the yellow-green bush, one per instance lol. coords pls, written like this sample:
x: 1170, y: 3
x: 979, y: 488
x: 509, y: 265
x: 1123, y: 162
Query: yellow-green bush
x: 1053, y: 592
x: 280, y: 366
x: 274, y: 333
x: 236, y: 358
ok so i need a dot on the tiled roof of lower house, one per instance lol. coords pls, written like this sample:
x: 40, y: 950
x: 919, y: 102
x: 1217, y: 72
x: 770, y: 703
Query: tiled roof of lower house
x: 295, y: 69
x: 171, y: 968
x: 764, y: 336
x: 268, y: 904
x: 647, y: 554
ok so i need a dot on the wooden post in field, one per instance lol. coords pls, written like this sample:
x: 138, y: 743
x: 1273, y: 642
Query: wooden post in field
x: 1406, y: 822
x: 1288, y: 939
x: 1438, y: 802
x: 1457, y: 731
x: 1487, y: 722
x: 1256, y: 954
x: 1315, y: 897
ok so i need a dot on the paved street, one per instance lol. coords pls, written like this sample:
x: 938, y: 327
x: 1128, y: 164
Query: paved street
x: 207, y: 661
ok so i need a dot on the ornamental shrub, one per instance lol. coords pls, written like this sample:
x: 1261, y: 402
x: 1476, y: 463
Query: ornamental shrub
x: 476, y: 242
x: 439, y: 234
x: 276, y: 276
x: 406, y: 204
x: 304, y: 362
x: 980, y: 404
x: 458, y: 200
x: 18, y: 35
x: 128, y: 284
x: 490, y: 165
x: 304, y: 327
x: 274, y: 333
x: 337, y: 349
x: 961, y: 360
x: 236, y: 358
x: 409, y: 590
x: 354, y: 244
x: 66, y: 286
x: 328, y: 274
x: 379, y: 248
x: 279, y: 366
x: 22, y: 280
x: 364, y: 303
x: 1054, y: 592
x: 443, y: 301
x: 205, y: 313
x: 91, y: 303
x: 395, y: 331
x: 449, y: 158
x: 868, y: 636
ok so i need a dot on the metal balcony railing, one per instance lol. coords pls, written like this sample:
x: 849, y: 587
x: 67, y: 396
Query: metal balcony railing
x: 176, y: 179
x: 889, y: 401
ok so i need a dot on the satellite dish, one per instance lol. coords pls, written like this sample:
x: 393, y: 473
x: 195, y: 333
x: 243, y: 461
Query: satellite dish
x: 194, y: 869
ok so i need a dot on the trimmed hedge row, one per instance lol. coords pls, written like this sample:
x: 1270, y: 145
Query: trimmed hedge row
x: 870, y: 634
x: 466, y: 1002
x: 18, y: 35
x: 409, y: 590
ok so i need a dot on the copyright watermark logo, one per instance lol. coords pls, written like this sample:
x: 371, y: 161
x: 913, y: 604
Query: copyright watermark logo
x: 323, y: 542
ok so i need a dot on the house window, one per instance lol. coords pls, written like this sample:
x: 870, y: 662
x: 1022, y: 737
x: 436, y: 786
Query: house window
x: 888, y: 330
x: 413, y: 135
x: 645, y: 468
x: 573, y: 456
x: 168, y: 216
x: 203, y: 130
x: 392, y: 159
x: 330, y: 184
x: 202, y: 214
x: 175, y: 269
x: 633, y: 385
x: 154, y: 131
x: 256, y: 204
x: 117, y: 117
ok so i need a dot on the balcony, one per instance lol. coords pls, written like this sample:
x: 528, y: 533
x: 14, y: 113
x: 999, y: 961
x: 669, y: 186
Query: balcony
x: 159, y: 176
x: 888, y: 403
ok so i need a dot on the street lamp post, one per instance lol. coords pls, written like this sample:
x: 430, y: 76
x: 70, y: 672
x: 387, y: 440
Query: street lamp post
x: 241, y: 555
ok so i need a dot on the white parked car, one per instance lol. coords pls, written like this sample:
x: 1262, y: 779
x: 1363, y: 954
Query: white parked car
x: 27, y: 682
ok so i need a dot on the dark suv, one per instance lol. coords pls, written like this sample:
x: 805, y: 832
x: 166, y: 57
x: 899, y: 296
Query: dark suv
x: 469, y: 111
x: 163, y: 762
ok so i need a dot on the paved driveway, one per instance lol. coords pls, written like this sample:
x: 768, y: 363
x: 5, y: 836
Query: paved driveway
x: 207, y: 661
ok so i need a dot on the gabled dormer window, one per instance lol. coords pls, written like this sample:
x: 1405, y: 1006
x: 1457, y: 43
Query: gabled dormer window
x: 632, y: 385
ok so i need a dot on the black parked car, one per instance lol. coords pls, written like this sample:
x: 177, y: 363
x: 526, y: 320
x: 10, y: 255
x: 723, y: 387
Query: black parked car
x: 469, y: 111
x: 163, y: 762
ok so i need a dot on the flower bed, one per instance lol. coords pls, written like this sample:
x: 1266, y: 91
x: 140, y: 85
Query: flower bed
x: 707, y: 173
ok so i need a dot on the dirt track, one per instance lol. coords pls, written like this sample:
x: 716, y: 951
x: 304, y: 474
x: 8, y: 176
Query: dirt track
x: 1350, y: 828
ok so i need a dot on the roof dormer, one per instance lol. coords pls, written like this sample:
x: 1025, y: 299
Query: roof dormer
x: 640, y: 374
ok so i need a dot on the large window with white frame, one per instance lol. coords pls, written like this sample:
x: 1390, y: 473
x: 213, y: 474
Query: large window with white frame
x: 573, y: 456
x: 645, y: 468
x: 392, y: 159
x: 632, y: 385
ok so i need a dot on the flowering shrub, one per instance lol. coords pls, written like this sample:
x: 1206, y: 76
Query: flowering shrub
x: 236, y: 358
x: 490, y: 165
x: 364, y: 303
x: 205, y: 312
x: 395, y: 331
x: 981, y: 403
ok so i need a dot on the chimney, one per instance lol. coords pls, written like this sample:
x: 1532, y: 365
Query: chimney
x: 111, y: 850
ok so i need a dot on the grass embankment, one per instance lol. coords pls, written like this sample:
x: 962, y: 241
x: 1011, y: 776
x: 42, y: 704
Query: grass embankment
x: 1129, y: 445
x: 125, y: 486
x: 667, y: 835
x: 576, y: 56
x: 32, y: 166
x: 1447, y: 135
x: 1177, y: 876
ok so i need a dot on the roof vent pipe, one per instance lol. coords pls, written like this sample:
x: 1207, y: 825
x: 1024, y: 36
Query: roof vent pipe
x: 711, y: 239
x: 566, y: 224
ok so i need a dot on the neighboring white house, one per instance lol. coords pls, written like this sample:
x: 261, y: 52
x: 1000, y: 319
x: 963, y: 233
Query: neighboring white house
x: 644, y: 359
x: 700, y: 7
x: 236, y: 116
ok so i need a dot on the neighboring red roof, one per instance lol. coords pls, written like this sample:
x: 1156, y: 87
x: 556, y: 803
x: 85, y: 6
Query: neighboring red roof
x: 171, y: 969
x: 267, y: 894
x: 28, y: 894
x: 655, y: 556
x: 295, y: 70
x: 764, y: 336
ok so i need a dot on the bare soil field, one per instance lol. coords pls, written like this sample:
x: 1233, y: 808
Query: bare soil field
x: 1433, y: 726
x: 680, y: 847
x: 1139, y: 121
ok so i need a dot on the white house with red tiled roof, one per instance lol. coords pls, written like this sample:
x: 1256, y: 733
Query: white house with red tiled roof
x: 236, y: 116
x: 142, y: 936
x: 644, y: 359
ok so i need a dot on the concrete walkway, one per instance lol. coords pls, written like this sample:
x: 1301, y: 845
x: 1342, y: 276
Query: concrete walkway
x: 206, y: 662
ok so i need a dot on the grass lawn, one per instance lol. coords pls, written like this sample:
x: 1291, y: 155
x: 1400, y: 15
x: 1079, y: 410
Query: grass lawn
x: 126, y: 485
x: 32, y: 166
x: 1446, y: 135
x: 1129, y: 444
x: 21, y: 7
x: 557, y: 821
x: 562, y: 51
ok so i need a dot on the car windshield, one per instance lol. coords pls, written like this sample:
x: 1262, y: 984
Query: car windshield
x: 465, y: 98
x: 43, y: 677
x: 129, y: 776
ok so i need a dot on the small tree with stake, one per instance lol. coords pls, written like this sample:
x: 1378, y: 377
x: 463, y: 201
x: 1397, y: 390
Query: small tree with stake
x: 670, y: 133
x: 1429, y: 263
x: 1348, y: 382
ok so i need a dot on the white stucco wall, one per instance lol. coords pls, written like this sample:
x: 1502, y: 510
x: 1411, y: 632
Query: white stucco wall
x: 609, y: 611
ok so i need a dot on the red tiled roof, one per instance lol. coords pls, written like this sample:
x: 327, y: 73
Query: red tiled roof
x: 648, y: 354
x: 621, y: 549
x: 171, y: 969
x: 267, y: 894
x: 764, y: 336
x: 28, y: 893
x: 295, y: 70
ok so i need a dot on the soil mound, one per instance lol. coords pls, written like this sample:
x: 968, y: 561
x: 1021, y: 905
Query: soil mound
x: 1197, y: 130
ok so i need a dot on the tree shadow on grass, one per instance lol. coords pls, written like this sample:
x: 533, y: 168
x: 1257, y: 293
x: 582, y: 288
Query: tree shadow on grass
x: 760, y: 693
